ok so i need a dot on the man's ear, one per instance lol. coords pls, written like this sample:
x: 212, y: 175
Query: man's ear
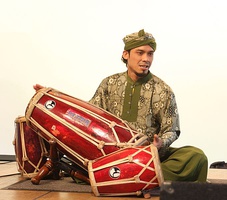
x: 125, y: 55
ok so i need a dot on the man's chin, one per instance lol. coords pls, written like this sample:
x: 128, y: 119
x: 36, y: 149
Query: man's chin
x: 143, y: 74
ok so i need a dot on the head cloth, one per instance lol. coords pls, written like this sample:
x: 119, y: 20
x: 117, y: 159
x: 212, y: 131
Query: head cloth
x: 139, y: 39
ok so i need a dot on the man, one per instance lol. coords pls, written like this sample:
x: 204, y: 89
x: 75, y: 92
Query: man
x: 149, y: 105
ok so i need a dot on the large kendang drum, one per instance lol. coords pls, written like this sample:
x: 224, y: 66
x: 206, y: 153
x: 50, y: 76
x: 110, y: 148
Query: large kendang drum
x: 128, y: 171
x: 30, y: 149
x: 81, y: 130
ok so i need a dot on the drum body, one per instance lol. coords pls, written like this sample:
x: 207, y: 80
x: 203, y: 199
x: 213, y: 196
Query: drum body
x: 30, y: 149
x: 83, y: 131
x: 128, y: 171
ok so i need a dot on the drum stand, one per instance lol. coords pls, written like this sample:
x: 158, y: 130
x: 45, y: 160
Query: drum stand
x: 54, y: 165
x: 147, y: 194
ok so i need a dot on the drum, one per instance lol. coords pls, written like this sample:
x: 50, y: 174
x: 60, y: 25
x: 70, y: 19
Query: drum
x: 30, y: 149
x: 82, y: 131
x: 128, y: 171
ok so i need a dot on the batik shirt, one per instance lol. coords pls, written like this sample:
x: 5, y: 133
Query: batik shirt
x: 148, y: 105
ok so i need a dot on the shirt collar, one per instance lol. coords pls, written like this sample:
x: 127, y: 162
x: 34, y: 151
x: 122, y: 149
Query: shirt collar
x: 141, y: 80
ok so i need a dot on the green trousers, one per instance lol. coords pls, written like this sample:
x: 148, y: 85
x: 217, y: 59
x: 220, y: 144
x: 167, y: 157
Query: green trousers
x: 186, y: 163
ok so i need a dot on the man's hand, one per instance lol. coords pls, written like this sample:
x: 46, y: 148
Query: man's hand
x: 37, y: 87
x: 157, y: 141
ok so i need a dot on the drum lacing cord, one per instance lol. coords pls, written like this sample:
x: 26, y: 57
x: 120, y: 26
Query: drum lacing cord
x: 94, y: 141
x: 132, y: 142
x: 112, y: 124
x: 129, y: 158
x: 101, y: 145
x: 85, y: 163
x: 145, y: 167
x: 153, y: 152
x: 69, y: 150
x: 152, y: 158
x: 123, y: 160
x: 25, y: 157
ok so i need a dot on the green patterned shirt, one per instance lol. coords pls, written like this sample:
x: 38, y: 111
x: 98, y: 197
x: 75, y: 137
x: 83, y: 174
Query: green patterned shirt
x: 148, y: 105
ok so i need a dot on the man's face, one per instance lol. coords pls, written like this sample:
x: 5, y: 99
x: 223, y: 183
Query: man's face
x: 139, y: 61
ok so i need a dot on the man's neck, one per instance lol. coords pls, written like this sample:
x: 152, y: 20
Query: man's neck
x: 135, y: 77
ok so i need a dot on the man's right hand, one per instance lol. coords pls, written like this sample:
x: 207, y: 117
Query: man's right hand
x: 157, y: 141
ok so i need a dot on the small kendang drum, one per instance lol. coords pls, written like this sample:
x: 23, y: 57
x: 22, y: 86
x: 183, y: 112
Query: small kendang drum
x: 82, y: 131
x: 128, y: 171
x: 30, y: 149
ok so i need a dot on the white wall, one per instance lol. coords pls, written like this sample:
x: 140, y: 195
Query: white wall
x: 72, y: 45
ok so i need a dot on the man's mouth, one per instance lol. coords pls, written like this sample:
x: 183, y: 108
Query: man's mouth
x: 144, y: 67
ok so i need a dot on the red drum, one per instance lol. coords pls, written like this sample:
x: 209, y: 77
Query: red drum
x: 128, y: 171
x: 30, y: 149
x: 82, y: 131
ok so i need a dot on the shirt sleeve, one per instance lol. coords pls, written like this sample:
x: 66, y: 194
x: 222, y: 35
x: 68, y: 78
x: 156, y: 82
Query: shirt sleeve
x: 168, y: 117
x: 99, y: 97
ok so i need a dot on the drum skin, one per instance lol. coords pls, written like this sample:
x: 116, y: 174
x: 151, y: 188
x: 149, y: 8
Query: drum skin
x: 83, y: 131
x: 30, y: 149
x: 128, y: 171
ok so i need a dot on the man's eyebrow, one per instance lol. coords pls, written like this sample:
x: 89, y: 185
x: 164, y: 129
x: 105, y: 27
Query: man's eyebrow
x: 141, y: 50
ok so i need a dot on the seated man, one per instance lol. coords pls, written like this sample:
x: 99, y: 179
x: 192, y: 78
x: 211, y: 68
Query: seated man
x: 149, y: 105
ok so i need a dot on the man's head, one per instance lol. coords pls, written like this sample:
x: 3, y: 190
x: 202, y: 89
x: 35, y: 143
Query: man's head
x: 138, y: 53
x: 137, y: 39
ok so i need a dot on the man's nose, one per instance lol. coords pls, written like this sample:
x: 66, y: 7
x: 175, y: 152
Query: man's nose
x: 145, y: 57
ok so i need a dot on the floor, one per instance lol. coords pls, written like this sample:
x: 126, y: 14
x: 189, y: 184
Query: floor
x: 10, y: 175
